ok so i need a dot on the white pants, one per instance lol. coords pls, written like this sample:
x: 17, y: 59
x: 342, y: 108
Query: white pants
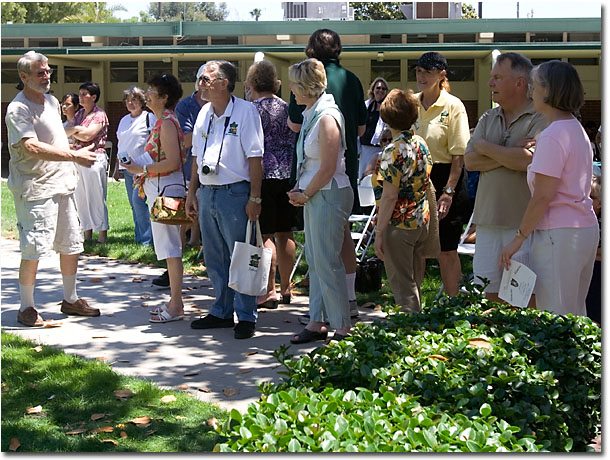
x: 563, y: 260
x: 166, y: 238
x: 90, y: 195
x: 486, y: 261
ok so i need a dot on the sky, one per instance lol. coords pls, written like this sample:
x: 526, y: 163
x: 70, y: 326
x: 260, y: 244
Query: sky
x: 272, y: 11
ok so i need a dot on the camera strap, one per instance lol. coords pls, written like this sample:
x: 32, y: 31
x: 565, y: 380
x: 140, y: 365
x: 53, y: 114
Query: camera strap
x: 224, y: 133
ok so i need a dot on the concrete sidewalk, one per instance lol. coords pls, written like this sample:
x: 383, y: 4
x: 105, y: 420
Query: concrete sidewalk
x: 169, y: 354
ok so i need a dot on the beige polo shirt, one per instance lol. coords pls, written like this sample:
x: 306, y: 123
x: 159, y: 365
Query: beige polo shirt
x: 444, y: 127
x: 502, y: 194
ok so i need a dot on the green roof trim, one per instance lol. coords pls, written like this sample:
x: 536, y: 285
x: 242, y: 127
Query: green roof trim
x: 386, y: 47
x: 224, y: 28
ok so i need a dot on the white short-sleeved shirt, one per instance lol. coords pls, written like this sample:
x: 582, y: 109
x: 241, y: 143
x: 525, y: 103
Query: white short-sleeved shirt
x: 242, y: 139
x: 132, y: 135
x: 313, y: 160
x: 31, y: 178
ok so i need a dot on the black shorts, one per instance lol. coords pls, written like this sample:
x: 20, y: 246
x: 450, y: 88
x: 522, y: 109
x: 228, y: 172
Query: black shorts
x: 450, y: 227
x: 277, y: 214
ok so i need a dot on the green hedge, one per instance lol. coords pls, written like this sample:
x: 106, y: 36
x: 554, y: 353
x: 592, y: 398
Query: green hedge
x: 462, y: 375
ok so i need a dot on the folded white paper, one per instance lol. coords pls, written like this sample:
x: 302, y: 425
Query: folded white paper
x: 517, y: 284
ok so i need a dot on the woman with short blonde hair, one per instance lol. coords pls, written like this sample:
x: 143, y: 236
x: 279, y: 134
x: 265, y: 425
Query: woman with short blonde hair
x: 324, y: 189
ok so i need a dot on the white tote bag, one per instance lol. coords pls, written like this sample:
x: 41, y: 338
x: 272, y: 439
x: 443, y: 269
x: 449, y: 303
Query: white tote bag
x: 249, y: 270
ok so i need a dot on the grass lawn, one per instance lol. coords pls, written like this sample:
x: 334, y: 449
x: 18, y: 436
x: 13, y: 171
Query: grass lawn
x: 71, y: 394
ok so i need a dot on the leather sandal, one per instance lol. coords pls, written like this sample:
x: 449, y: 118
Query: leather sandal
x: 337, y: 337
x: 306, y: 336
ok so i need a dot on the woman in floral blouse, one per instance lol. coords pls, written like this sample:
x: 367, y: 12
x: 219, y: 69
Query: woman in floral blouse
x: 400, y: 183
x: 166, y: 149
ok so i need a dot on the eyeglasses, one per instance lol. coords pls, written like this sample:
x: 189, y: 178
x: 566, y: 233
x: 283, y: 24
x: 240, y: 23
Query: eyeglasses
x: 43, y: 72
x: 207, y: 80
x: 385, y: 139
x: 381, y: 88
x: 150, y: 90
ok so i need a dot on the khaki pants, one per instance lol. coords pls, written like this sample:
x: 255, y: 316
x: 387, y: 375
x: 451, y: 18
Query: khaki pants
x: 404, y: 264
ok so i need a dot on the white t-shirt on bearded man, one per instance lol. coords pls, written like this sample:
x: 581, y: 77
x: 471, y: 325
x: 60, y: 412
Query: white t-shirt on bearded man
x: 31, y: 178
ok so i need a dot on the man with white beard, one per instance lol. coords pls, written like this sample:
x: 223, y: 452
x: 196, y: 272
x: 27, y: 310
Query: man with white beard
x: 42, y: 178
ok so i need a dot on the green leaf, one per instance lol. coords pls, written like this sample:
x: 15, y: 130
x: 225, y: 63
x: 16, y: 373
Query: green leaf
x: 236, y: 415
x: 485, y: 410
x: 473, y: 446
x: 430, y: 437
x: 244, y: 432
x: 341, y: 425
x: 294, y: 446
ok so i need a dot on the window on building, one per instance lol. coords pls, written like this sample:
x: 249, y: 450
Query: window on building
x: 12, y: 43
x: 537, y: 61
x: 76, y: 74
x: 225, y: 40
x: 584, y: 37
x: 546, y: 37
x: 194, y: 40
x: 48, y: 42
x: 460, y: 38
x: 9, y: 75
x: 422, y: 38
x: 124, y: 71
x: 501, y: 37
x: 187, y: 70
x: 390, y: 38
x: 123, y: 41
x: 461, y: 69
x: 74, y: 41
x: 388, y: 69
x: 158, y: 41
x: 584, y: 61
x: 154, y: 67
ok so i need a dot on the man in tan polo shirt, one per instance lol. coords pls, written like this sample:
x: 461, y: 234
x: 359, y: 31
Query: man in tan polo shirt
x: 501, y: 148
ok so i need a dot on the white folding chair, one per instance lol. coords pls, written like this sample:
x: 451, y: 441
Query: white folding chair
x: 365, y: 230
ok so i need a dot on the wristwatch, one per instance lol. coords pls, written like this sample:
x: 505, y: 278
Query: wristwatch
x: 449, y: 191
x: 256, y: 199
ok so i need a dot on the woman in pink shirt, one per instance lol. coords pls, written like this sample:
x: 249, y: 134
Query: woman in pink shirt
x: 560, y: 215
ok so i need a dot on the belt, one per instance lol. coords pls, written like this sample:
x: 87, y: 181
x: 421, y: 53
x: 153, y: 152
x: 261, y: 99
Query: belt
x: 224, y: 186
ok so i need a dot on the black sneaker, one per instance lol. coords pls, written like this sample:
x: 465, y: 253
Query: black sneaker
x: 212, y: 322
x: 162, y: 280
x: 244, y: 329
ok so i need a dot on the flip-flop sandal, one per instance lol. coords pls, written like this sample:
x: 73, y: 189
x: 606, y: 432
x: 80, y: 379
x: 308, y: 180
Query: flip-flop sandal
x: 157, y: 311
x: 306, y: 336
x: 165, y: 317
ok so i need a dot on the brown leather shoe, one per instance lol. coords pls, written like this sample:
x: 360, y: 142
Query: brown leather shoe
x: 80, y: 308
x: 30, y: 317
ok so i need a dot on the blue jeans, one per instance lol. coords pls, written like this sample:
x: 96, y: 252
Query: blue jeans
x: 223, y: 220
x: 326, y: 215
x: 140, y: 212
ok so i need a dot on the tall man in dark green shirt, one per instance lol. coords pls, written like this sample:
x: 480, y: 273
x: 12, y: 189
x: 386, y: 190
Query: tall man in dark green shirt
x: 325, y: 45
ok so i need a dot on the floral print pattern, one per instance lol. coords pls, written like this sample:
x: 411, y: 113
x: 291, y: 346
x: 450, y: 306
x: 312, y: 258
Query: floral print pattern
x: 153, y: 148
x: 404, y: 163
x: 96, y: 116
